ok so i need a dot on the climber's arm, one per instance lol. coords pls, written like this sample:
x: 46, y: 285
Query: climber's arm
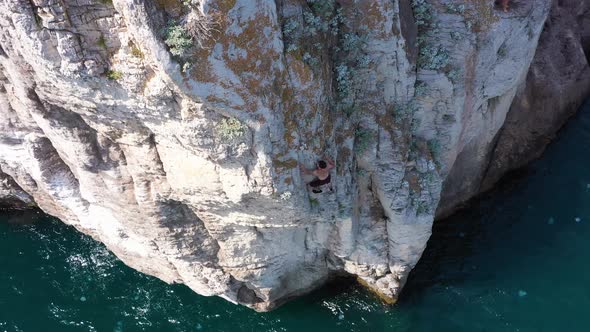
x: 304, y: 170
x: 331, y: 163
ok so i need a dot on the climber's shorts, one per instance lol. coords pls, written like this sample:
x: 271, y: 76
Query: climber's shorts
x: 318, y: 182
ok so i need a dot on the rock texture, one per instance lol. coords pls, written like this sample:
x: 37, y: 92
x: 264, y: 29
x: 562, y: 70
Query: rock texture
x: 11, y: 195
x: 183, y: 160
x: 557, y: 83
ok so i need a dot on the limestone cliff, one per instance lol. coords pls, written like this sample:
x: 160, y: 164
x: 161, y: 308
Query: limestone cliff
x: 172, y: 131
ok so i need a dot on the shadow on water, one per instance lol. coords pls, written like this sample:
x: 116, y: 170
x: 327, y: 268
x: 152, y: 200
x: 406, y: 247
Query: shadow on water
x: 516, y: 257
x: 22, y: 216
x: 453, y: 238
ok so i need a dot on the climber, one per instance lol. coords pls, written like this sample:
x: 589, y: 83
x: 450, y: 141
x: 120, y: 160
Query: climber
x: 321, y: 174
x: 505, y: 5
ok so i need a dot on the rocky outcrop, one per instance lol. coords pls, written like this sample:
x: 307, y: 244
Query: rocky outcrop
x: 11, y: 195
x: 172, y: 131
x: 557, y: 83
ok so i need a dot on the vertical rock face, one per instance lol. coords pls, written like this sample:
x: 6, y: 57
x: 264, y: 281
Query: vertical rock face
x: 172, y: 131
x: 557, y: 83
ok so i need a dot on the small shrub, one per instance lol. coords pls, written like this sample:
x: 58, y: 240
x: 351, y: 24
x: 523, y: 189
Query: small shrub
x: 351, y: 42
x: 348, y: 110
x: 114, y: 75
x: 200, y: 26
x: 314, y: 24
x: 291, y: 47
x: 309, y: 59
x: 323, y: 8
x: 432, y: 57
x: 364, y: 61
x: 420, y: 88
x: 177, y: 39
x: 135, y: 51
x: 363, y: 138
x: 448, y: 118
x: 435, y: 148
x: 430, y: 178
x: 421, y: 208
x: 314, y: 202
x: 404, y: 111
x: 422, y: 12
x: 455, y: 8
x: 186, y: 67
x: 502, y: 51
x: 290, y: 27
x: 102, y: 42
x: 230, y: 129
x: 361, y: 172
x: 38, y: 19
x: 323, y: 18
x: 343, y: 80
x: 290, y: 35
x: 415, y: 125
x: 454, y: 75
x: 455, y: 35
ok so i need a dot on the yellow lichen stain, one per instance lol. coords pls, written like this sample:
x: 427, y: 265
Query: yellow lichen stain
x: 252, y: 62
x: 292, y: 113
x: 214, y: 99
x: 201, y: 68
x: 413, y: 181
x: 286, y: 164
x: 224, y: 6
x: 290, y: 123
x: 254, y: 58
x: 387, y: 122
x: 149, y: 75
x: 372, y: 16
x: 344, y: 155
x: 287, y: 95
x: 261, y: 119
x: 482, y: 15
x: 303, y: 72
x: 385, y: 298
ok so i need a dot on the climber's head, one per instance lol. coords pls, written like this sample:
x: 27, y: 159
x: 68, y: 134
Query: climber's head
x: 322, y: 164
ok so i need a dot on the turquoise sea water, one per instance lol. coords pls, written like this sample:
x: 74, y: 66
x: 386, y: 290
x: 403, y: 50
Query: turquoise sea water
x: 516, y: 260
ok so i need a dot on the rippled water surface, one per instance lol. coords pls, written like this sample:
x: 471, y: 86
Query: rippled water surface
x: 516, y: 260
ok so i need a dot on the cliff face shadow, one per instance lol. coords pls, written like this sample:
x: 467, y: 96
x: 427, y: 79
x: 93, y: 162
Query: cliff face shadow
x: 457, y: 238
x: 21, y: 216
x: 513, y: 229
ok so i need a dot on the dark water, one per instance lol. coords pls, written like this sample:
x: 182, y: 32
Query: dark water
x: 517, y: 260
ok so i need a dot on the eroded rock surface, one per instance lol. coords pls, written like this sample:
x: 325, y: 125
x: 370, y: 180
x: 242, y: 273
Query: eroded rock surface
x: 557, y: 83
x: 187, y: 166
